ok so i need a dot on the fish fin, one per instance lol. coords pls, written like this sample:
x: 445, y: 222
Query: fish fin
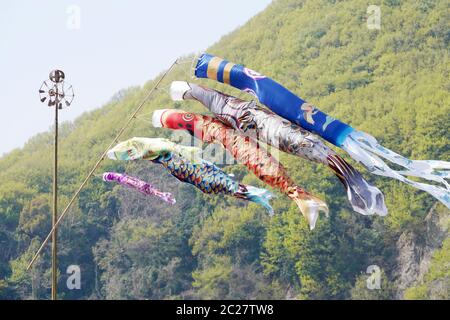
x: 257, y: 195
x: 364, y: 198
x: 309, y: 205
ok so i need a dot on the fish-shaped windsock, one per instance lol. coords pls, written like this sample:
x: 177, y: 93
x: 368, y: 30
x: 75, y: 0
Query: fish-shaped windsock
x: 200, y: 173
x: 150, y: 149
x: 139, y: 185
x: 266, y: 126
x: 246, y: 151
x: 359, y: 145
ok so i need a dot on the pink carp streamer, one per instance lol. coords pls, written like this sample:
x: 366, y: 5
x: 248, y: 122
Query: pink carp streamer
x: 139, y: 185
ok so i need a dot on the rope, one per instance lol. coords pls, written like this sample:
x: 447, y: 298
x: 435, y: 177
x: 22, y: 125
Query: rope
x: 97, y: 164
x: 143, y: 116
x: 144, y: 119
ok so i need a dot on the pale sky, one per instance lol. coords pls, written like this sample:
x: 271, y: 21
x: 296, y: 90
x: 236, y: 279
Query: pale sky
x: 117, y: 44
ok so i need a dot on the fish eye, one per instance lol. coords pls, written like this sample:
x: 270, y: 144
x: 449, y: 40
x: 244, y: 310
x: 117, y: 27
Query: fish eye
x: 187, y: 116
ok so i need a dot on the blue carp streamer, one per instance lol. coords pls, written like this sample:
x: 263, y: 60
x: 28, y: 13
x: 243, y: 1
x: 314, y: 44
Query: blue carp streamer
x: 359, y: 145
x: 183, y: 163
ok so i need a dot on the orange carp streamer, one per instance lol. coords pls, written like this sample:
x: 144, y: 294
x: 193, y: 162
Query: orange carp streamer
x: 246, y: 151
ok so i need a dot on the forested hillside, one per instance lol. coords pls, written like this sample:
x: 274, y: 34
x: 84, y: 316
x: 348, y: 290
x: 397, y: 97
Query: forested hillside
x: 393, y: 83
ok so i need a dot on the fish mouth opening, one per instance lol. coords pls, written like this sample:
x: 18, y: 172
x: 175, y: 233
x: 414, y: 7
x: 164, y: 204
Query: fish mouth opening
x: 157, y: 118
x: 111, y: 155
x: 178, y: 89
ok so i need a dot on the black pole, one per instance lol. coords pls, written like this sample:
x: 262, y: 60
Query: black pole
x: 55, y: 205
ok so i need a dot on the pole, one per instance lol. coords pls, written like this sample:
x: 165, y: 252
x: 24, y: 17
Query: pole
x: 85, y: 181
x: 55, y: 206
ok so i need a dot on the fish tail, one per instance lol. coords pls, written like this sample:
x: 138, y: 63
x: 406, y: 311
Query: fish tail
x: 364, y: 198
x: 166, y: 196
x: 309, y: 205
x: 364, y: 148
x: 257, y: 195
